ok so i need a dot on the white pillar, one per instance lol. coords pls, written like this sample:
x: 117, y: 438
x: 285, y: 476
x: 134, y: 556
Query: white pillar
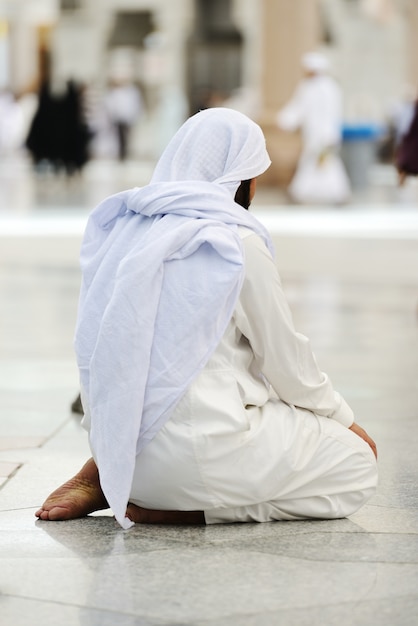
x: 412, y: 42
x: 23, y: 55
x: 4, y: 55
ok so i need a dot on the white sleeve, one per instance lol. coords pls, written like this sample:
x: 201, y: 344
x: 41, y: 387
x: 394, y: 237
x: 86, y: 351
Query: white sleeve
x: 291, y: 116
x: 283, y: 355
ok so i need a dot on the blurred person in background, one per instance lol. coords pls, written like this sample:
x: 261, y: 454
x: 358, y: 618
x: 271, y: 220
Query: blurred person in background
x: 11, y: 122
x: 399, y: 117
x: 124, y: 106
x: 40, y: 139
x: 316, y: 110
x: 75, y: 150
x: 58, y: 135
x: 402, y: 113
x: 202, y: 402
x: 406, y: 157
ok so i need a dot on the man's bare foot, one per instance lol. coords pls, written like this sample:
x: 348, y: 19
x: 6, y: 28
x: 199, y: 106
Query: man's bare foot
x: 77, y: 497
x: 148, y: 516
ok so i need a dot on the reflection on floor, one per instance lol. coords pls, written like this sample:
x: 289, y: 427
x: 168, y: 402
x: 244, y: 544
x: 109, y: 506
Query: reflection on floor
x: 351, y: 276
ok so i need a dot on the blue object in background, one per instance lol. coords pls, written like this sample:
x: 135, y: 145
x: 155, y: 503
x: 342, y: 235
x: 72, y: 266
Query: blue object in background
x: 359, y: 146
x: 361, y: 132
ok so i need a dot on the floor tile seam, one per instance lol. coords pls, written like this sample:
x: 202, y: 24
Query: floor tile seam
x: 72, y: 557
x: 9, y: 478
x: 57, y: 431
x: 310, y: 533
x: 228, y: 547
x: 179, y: 544
x: 11, y: 475
x: 42, y: 441
x: 18, y: 449
x: 350, y: 604
x: 392, y: 508
x: 37, y: 525
x: 337, y: 562
x: 155, y: 621
x: 20, y: 508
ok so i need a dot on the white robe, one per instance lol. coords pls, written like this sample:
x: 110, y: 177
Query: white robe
x: 155, y: 323
x: 316, y: 110
x: 261, y: 434
x: 162, y: 269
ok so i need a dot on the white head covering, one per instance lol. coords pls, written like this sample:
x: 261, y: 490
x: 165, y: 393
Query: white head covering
x: 227, y: 148
x: 315, y: 62
x: 162, y: 270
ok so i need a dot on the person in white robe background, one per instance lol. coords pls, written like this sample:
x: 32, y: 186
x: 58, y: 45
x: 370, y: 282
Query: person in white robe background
x: 202, y: 402
x: 316, y: 109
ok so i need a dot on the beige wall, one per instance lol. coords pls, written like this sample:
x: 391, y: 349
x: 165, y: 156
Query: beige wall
x: 412, y: 43
x: 290, y: 28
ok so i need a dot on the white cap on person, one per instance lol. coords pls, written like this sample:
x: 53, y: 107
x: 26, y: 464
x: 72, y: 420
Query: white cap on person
x: 315, y: 62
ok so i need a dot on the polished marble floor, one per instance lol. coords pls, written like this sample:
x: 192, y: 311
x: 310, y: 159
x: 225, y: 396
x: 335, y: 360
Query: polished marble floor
x: 351, y: 276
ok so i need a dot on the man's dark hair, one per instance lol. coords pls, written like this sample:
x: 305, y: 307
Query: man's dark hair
x: 242, y: 195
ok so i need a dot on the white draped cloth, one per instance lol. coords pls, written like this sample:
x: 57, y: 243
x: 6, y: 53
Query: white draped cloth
x: 162, y: 269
